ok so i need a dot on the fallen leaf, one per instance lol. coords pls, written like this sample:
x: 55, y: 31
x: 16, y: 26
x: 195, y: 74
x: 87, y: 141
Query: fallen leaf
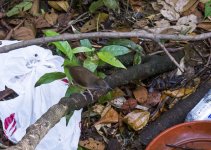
x: 110, y: 117
x: 153, y: 98
x: 23, y: 33
x: 92, y: 144
x: 129, y: 105
x: 59, y: 5
x: 98, y: 108
x: 141, y: 94
x: 40, y: 23
x: 118, y: 102
x: 179, y: 92
x: 51, y: 17
x: 206, y: 25
x: 169, y: 12
x: 94, y: 23
x: 2, y: 34
x: 137, y: 119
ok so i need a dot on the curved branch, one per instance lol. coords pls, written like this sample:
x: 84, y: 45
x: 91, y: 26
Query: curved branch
x: 139, y: 33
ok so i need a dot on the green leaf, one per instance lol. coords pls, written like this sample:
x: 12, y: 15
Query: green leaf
x: 73, y: 89
x: 115, y: 50
x: 50, y: 77
x: 105, y: 98
x: 137, y: 58
x: 82, y: 49
x: 80, y: 148
x: 112, y: 4
x: 68, y: 116
x: 63, y: 46
x: 207, y: 9
x: 110, y: 59
x: 23, y: 6
x: 101, y: 75
x: 127, y: 43
x: 86, y: 43
x: 96, y: 5
x: 90, y: 64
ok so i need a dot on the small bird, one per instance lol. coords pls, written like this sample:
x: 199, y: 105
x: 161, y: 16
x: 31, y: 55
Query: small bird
x: 86, y: 78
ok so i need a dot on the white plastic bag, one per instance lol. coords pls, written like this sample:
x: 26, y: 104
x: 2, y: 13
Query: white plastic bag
x: 19, y: 70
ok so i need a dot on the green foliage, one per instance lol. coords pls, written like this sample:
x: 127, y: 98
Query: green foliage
x: 127, y: 43
x: 63, y: 46
x: 82, y: 49
x: 73, y: 89
x: 96, y: 5
x: 115, y: 50
x: 90, y: 64
x: 93, y: 59
x: 110, y: 59
x: 86, y: 43
x: 105, y: 98
x: 50, y: 77
x: 137, y: 58
x: 111, y: 4
x: 23, y: 6
x: 207, y: 9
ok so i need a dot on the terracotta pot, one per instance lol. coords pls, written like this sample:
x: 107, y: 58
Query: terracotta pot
x: 192, y: 135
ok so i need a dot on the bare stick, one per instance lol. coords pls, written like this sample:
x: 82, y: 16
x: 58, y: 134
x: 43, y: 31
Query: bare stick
x: 169, y: 55
x: 139, y: 33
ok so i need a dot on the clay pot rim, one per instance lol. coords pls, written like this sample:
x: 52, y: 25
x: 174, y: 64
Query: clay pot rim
x: 174, y: 127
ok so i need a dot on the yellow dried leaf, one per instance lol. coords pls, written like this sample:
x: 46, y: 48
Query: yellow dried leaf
x: 93, y: 23
x: 179, y: 92
x: 137, y: 119
x: 111, y: 116
x: 59, y: 5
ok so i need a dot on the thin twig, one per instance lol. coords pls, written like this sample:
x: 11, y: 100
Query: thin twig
x: 169, y: 55
x: 139, y: 33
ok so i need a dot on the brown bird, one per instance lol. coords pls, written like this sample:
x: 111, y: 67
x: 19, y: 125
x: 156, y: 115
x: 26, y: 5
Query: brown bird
x: 86, y: 78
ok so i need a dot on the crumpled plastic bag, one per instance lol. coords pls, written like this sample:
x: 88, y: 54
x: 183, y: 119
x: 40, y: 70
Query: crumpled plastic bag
x: 19, y: 70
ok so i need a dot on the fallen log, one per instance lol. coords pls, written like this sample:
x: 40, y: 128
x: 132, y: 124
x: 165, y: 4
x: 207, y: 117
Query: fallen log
x: 152, y: 66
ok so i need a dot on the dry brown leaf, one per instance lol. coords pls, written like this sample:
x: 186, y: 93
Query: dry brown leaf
x: 51, y: 17
x: 40, y: 22
x: 110, y: 117
x: 24, y: 33
x: 59, y: 5
x: 153, y: 98
x: 205, y: 25
x: 15, y: 21
x: 137, y: 119
x: 141, y: 94
x: 2, y: 34
x: 93, y: 23
x: 129, y: 105
x: 35, y: 7
x: 92, y: 144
